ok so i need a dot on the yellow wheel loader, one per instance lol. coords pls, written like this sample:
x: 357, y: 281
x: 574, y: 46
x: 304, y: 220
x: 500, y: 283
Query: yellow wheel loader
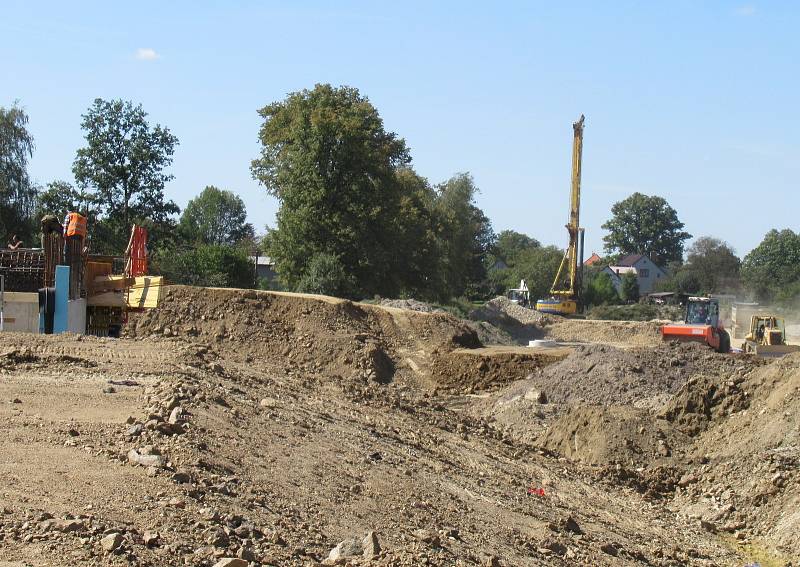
x: 767, y: 337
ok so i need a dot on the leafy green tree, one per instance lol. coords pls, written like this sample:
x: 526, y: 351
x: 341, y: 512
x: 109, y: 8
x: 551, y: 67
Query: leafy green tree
x: 326, y: 275
x: 122, y: 166
x: 208, y: 265
x: 681, y: 280
x: 508, y: 248
x: 537, y: 266
x: 643, y: 224
x: 17, y: 194
x: 60, y: 198
x: 216, y: 217
x: 332, y: 166
x: 417, y: 267
x: 466, y: 237
x: 772, y: 268
x: 510, y: 244
x: 600, y: 290
x: 714, y: 263
x: 629, y: 288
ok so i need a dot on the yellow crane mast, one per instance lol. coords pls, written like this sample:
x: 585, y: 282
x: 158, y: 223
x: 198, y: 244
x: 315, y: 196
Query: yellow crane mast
x: 566, y: 290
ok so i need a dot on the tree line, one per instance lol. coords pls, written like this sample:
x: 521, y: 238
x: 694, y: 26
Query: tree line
x: 354, y: 219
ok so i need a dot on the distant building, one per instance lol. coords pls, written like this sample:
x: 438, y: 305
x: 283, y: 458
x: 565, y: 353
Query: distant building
x: 593, y: 259
x: 648, y: 274
x: 264, y: 267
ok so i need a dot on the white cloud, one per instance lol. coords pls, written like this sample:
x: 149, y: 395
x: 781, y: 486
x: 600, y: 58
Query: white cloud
x: 146, y: 54
x: 745, y: 10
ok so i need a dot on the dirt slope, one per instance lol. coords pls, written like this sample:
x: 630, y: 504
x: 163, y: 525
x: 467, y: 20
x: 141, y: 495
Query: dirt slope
x: 274, y: 427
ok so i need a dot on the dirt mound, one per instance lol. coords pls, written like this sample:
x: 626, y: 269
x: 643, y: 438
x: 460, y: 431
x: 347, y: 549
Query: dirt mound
x: 488, y: 334
x: 327, y: 336
x: 411, y: 305
x: 629, y: 333
x: 610, y: 435
x: 469, y: 370
x: 748, y: 443
x: 643, y: 377
x: 518, y: 322
x: 227, y: 434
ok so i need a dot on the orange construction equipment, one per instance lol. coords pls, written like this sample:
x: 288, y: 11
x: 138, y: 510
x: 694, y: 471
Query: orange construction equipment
x: 701, y: 324
x: 136, y: 254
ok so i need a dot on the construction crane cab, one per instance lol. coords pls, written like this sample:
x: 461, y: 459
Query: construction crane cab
x: 701, y: 324
x: 566, y: 289
x: 521, y: 295
x: 767, y: 337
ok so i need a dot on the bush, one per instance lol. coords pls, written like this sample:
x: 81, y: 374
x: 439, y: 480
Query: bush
x: 326, y: 275
x: 629, y: 290
x: 601, y: 291
x: 207, y: 265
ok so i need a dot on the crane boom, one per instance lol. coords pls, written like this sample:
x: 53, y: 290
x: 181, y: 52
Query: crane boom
x: 566, y: 285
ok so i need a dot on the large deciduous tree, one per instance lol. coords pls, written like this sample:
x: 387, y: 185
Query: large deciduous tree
x: 643, y: 224
x: 60, y: 198
x: 17, y: 195
x: 537, y: 266
x: 510, y: 244
x: 123, y: 167
x: 772, y: 269
x: 466, y: 237
x: 331, y: 164
x: 216, y: 216
x: 714, y: 263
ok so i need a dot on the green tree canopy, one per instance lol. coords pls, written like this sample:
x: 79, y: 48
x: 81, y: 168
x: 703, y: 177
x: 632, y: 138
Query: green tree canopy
x: 510, y: 244
x: 629, y: 289
x: 600, y: 290
x: 773, y: 266
x: 209, y: 265
x: 60, y: 198
x: 537, y: 266
x: 331, y: 164
x: 122, y: 166
x: 326, y: 275
x: 642, y: 224
x: 417, y: 271
x: 17, y: 195
x: 216, y: 217
x: 466, y: 237
x: 714, y: 263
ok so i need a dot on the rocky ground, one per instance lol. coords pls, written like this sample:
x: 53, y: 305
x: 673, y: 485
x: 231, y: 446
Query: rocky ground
x: 256, y: 428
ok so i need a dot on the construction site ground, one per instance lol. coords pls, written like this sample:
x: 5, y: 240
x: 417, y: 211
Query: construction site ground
x: 288, y: 429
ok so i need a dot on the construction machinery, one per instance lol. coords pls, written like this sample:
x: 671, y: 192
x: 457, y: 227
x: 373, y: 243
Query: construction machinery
x: 521, y: 295
x: 767, y: 337
x: 566, y: 289
x: 701, y: 324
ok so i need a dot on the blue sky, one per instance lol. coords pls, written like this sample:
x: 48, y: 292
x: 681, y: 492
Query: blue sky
x: 693, y: 101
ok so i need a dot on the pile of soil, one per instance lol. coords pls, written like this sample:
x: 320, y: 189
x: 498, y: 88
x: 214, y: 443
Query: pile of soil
x: 748, y: 443
x: 627, y: 333
x: 643, y: 377
x: 611, y: 435
x: 323, y: 335
x: 211, y: 443
x: 520, y: 323
x: 411, y: 305
x: 488, y: 369
x: 488, y: 334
